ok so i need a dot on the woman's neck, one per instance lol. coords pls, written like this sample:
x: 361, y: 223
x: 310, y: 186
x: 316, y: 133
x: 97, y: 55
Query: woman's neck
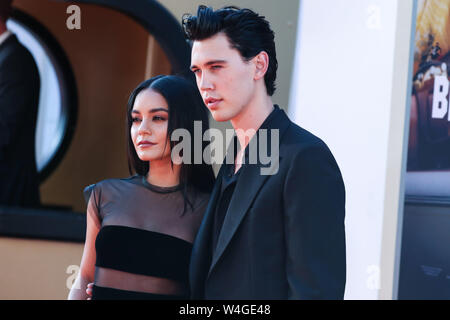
x: 162, y: 174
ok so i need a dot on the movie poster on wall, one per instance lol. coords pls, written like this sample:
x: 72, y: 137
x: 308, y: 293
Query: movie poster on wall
x: 428, y: 162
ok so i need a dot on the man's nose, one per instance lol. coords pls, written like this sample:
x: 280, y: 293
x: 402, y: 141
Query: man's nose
x: 205, y: 82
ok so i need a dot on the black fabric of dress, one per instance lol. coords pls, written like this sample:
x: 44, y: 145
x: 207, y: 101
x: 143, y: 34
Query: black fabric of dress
x: 143, y: 233
x: 159, y: 260
x: 104, y: 293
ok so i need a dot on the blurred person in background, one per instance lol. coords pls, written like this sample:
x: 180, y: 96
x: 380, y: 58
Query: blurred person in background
x: 19, y: 99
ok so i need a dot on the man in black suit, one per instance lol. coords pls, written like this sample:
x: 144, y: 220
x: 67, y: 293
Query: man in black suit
x: 19, y: 98
x: 264, y: 236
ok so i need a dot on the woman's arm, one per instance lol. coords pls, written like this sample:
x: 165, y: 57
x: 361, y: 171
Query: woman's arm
x: 87, y: 266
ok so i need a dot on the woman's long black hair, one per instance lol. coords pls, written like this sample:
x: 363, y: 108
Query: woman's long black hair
x: 185, y: 107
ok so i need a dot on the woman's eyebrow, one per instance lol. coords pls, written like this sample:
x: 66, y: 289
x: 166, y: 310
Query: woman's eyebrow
x: 158, y: 109
x: 151, y: 110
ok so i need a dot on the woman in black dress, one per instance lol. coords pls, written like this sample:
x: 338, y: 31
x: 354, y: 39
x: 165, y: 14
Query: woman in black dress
x: 140, y: 229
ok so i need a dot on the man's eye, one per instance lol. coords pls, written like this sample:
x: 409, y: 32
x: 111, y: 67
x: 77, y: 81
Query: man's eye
x: 216, y: 67
x: 196, y: 71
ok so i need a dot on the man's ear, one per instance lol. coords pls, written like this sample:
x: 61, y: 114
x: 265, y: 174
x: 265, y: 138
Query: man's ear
x: 261, y: 61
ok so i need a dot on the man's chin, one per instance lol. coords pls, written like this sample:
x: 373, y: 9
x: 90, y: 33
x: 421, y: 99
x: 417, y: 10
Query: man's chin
x: 219, y: 116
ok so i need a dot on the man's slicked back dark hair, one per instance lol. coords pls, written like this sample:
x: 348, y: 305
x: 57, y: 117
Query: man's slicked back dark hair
x: 247, y: 32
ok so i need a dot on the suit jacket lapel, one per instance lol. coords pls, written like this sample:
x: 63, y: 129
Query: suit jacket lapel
x: 201, y: 251
x: 247, y: 187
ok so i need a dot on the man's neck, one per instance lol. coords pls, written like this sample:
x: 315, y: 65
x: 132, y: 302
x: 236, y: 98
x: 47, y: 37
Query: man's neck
x: 251, y: 118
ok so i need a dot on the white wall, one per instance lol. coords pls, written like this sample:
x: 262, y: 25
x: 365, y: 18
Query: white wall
x: 342, y: 91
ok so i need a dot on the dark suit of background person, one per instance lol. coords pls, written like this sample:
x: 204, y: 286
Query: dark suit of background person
x: 283, y: 235
x: 19, y: 98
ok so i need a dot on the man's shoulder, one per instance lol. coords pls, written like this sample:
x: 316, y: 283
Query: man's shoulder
x: 14, y: 53
x: 303, y: 151
x: 12, y: 45
x: 297, y: 139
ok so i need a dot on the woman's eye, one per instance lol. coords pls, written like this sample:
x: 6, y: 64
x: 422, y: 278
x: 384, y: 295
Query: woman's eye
x: 216, y: 67
x: 135, y: 119
x: 159, y: 118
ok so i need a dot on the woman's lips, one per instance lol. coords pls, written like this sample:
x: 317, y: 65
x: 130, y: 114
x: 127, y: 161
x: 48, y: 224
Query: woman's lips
x: 145, y: 144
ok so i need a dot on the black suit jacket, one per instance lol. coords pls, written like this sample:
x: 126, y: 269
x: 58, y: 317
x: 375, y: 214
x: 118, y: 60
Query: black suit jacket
x: 19, y: 98
x: 283, y: 236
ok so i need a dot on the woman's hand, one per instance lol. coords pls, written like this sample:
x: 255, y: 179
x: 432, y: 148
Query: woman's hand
x: 89, y: 290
